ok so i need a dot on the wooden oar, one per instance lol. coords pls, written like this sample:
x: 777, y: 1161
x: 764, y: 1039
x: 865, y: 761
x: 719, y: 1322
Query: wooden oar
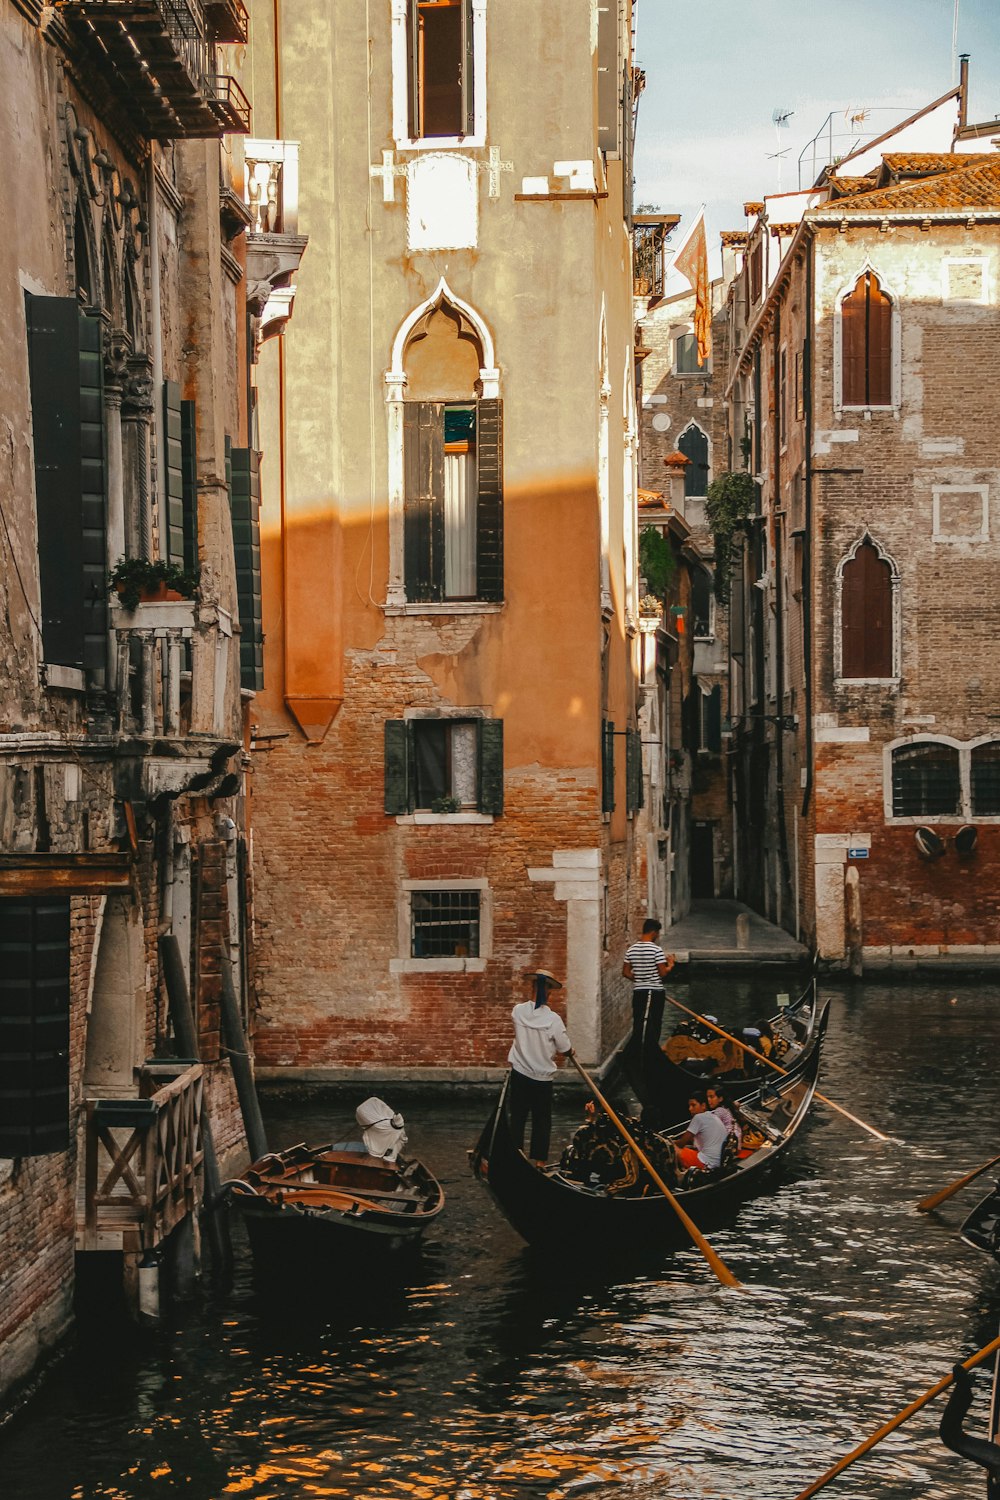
x: 759, y: 1057
x: 926, y: 1204
x: 719, y: 1266
x: 896, y: 1421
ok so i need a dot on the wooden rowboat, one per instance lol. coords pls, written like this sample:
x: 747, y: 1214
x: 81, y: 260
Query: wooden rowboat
x: 333, y: 1202
x: 981, y: 1229
x: 547, y: 1206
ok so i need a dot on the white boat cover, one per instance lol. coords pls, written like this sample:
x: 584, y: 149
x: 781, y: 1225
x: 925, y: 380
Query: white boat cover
x: 381, y: 1129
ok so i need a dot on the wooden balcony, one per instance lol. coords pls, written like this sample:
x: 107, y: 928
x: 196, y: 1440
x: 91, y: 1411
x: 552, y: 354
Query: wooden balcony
x: 141, y: 1163
x: 159, y: 57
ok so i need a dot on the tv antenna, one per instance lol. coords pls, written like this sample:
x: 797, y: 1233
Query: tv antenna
x: 779, y: 119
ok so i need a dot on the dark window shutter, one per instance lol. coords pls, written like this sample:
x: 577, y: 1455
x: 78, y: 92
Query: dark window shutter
x: 245, y: 499
x: 423, y: 506
x: 93, y: 496
x: 491, y: 766
x: 607, y: 766
x: 398, y: 781
x: 189, y: 480
x: 879, y: 345
x: 608, y: 102
x: 866, y: 615
x: 34, y: 1026
x: 694, y: 445
x: 413, y: 68
x: 713, y: 720
x: 853, y: 323
x: 53, y: 344
x: 468, y: 71
x: 489, y: 512
x: 633, y: 770
x: 174, y: 462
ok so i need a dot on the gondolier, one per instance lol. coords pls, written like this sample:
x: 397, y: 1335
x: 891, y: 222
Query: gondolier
x: 540, y: 1040
x: 647, y: 966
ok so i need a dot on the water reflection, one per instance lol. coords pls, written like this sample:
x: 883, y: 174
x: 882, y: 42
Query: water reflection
x: 493, y: 1373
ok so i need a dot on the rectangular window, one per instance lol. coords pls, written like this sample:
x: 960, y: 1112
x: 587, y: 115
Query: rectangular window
x: 453, y: 501
x: 985, y: 778
x: 441, y: 68
x: 244, y: 499
x: 34, y: 1026
x: 608, y: 766
x: 756, y: 272
x: 800, y: 405
x: 444, y: 924
x: 783, y: 398
x: 686, y: 356
x: 444, y: 765
x: 609, y: 77
x: 182, y: 478
x: 634, y: 798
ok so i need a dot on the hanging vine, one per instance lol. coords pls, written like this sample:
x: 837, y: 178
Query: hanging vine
x: 730, y: 500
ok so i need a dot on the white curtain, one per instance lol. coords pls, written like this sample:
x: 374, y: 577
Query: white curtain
x: 459, y: 525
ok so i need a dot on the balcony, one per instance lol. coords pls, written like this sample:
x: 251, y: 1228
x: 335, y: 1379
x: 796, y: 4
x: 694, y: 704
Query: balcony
x: 159, y: 57
x: 650, y: 233
x: 141, y: 1161
x: 172, y: 667
x: 274, y: 246
x: 228, y: 20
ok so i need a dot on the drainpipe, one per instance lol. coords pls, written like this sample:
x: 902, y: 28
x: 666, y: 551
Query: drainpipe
x: 807, y: 539
x: 156, y: 332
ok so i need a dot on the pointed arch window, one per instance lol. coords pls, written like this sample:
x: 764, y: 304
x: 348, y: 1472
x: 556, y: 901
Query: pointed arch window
x: 866, y: 615
x: 694, y: 445
x: 866, y: 344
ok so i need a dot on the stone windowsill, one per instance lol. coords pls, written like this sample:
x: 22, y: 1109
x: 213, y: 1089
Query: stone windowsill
x: 423, y: 819
x: 461, y: 607
x: 437, y: 965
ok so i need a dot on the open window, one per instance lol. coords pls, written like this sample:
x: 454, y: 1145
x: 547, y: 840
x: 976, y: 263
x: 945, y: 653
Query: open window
x: 441, y: 69
x: 444, y: 765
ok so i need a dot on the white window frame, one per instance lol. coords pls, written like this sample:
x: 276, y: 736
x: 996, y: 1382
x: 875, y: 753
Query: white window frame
x: 406, y: 964
x: 964, y: 813
x: 839, y: 680
x: 896, y: 365
x: 982, y: 490
x: 401, y: 85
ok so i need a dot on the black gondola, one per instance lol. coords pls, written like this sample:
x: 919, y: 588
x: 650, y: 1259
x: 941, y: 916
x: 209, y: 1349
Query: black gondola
x: 663, y: 1084
x: 545, y: 1205
x: 332, y: 1204
x: 982, y: 1228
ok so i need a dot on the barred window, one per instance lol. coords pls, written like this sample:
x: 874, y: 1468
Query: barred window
x: 985, y: 764
x: 444, y: 924
x: 925, y: 781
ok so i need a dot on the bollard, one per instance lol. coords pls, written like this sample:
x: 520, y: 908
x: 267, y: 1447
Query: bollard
x: 149, y: 1289
x: 743, y: 930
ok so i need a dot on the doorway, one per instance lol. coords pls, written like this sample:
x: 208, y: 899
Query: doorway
x: 702, y: 861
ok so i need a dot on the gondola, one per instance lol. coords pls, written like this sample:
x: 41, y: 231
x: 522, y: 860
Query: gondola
x: 663, y: 1079
x: 982, y: 1228
x: 333, y: 1203
x: 546, y: 1206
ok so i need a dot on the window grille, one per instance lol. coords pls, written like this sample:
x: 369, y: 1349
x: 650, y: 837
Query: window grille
x: 925, y: 781
x: 444, y: 924
x: 985, y: 762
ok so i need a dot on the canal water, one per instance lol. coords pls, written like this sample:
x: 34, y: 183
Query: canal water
x: 497, y: 1374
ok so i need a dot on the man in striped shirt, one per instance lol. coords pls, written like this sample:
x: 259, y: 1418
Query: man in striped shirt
x: 647, y: 966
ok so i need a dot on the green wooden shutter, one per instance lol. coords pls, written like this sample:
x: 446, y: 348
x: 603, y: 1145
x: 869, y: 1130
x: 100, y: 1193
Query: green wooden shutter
x: 607, y: 766
x: 491, y: 766
x: 189, y: 483
x: 245, y: 499
x: 633, y: 770
x: 173, y: 458
x: 468, y: 71
x: 413, y: 69
x: 608, y: 76
x: 34, y: 1026
x: 398, y: 762
x: 423, y: 504
x: 53, y: 325
x: 93, y: 495
x: 489, y: 509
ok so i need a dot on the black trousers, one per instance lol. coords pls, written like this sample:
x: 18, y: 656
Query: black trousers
x: 530, y: 1096
x: 647, y: 1020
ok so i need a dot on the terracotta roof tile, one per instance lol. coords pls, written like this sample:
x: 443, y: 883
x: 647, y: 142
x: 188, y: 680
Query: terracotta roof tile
x: 783, y: 231
x: 972, y: 187
x: 846, y: 187
x: 676, y: 460
x: 734, y: 238
x: 926, y: 163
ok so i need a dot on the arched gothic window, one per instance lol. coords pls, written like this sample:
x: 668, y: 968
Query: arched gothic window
x: 81, y: 258
x: 694, y: 445
x: 866, y: 614
x: 866, y: 344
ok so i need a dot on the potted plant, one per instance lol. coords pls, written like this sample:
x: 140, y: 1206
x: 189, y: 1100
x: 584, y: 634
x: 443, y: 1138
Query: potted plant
x: 137, y: 580
x: 446, y: 805
x: 650, y: 606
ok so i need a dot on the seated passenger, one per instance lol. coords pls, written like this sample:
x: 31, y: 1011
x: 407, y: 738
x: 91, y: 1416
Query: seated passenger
x: 701, y: 1144
x: 717, y: 1104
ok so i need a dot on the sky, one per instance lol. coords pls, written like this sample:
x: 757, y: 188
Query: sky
x: 716, y: 70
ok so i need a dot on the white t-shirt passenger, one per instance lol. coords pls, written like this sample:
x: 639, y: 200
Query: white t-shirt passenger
x: 709, y: 1137
x: 539, y: 1036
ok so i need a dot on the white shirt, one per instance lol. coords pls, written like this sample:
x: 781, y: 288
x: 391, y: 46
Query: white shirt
x: 709, y: 1136
x: 539, y: 1036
